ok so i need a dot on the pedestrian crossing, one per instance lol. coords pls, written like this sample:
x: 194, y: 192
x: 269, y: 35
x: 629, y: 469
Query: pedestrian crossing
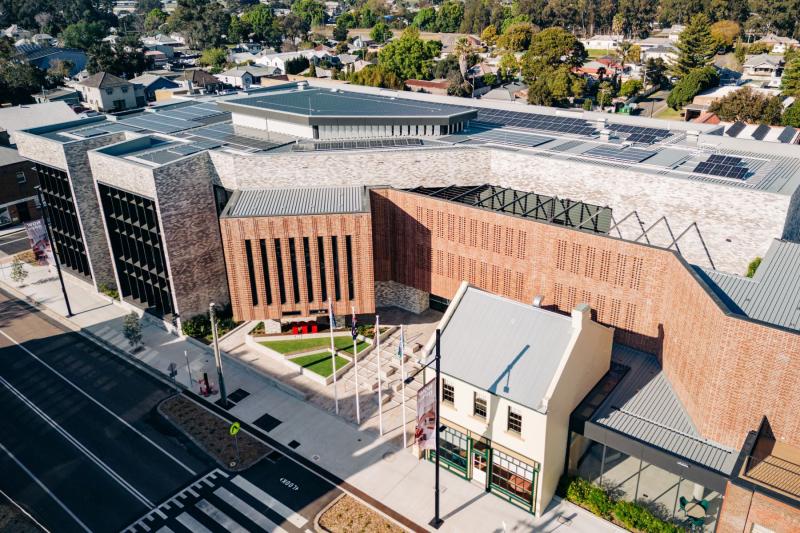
x: 220, y: 502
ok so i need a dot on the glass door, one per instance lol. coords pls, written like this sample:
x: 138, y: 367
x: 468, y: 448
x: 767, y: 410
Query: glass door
x: 480, y: 462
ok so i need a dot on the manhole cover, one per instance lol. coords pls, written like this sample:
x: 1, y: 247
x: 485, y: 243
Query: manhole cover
x: 315, y: 457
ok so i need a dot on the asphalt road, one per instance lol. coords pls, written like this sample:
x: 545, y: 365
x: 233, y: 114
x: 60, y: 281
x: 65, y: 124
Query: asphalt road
x: 82, y: 448
x: 13, y: 243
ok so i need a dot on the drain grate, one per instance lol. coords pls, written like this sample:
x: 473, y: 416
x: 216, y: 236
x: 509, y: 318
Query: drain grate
x: 294, y: 445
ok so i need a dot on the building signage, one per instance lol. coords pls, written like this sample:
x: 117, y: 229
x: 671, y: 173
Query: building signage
x: 37, y: 235
x: 425, y: 436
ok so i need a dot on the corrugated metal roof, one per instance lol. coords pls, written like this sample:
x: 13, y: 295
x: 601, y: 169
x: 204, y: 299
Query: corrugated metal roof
x: 302, y: 201
x: 772, y: 295
x: 505, y: 347
x: 645, y: 407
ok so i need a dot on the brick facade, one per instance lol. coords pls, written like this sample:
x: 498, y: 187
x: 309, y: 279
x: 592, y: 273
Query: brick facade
x: 743, y: 508
x: 235, y: 231
x: 13, y: 193
x: 742, y: 369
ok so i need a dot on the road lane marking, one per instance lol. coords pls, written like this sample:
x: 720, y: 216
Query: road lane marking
x: 64, y: 433
x: 243, y: 507
x: 96, y: 402
x: 192, y: 524
x: 219, y: 517
x: 165, y: 529
x: 44, y: 488
x: 295, y: 519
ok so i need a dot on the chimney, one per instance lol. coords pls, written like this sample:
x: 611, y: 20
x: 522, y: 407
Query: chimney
x: 581, y: 315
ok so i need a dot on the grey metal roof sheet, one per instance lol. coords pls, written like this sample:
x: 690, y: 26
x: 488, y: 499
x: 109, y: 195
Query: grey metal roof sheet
x: 645, y: 407
x: 505, y: 347
x: 301, y: 201
x: 772, y: 295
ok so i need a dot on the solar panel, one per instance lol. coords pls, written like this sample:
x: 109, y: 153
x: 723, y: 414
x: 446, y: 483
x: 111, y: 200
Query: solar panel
x: 735, y: 129
x: 535, y: 121
x: 511, y: 137
x: 722, y: 165
x: 626, y: 155
x: 185, y: 149
x: 787, y: 134
x: 640, y: 134
x: 322, y: 146
x: 760, y: 132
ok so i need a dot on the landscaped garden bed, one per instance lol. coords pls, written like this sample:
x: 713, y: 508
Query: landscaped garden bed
x: 305, y: 344
x: 348, y: 514
x: 320, y: 363
x: 212, y: 433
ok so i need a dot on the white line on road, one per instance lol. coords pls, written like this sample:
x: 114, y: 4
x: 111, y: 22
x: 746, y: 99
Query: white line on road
x: 295, y: 519
x: 106, y: 409
x: 228, y: 523
x: 247, y: 510
x: 108, y: 470
x: 44, y: 488
x: 192, y: 524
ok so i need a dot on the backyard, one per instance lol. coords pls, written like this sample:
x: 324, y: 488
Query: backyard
x: 320, y: 363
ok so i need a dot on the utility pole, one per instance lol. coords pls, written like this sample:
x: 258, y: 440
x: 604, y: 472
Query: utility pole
x: 437, y: 521
x: 223, y: 395
x: 45, y: 208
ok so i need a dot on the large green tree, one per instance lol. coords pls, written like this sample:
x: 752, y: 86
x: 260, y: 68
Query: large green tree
x: 691, y: 85
x: 376, y: 76
x: 380, y: 32
x: 749, y: 106
x: 696, y: 46
x: 517, y: 37
x: 409, y: 56
x: 311, y: 11
x: 448, y: 18
x: 791, y: 116
x: 547, y: 67
x: 265, y: 27
x: 83, y: 34
x: 425, y: 19
x: 790, y: 82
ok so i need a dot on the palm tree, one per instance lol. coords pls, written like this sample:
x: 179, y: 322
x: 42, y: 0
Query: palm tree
x: 464, y: 50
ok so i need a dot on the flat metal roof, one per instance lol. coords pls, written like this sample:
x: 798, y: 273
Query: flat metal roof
x: 772, y: 295
x: 295, y: 202
x: 507, y: 348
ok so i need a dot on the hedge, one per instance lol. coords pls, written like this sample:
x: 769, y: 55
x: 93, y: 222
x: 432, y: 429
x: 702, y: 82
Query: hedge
x: 631, y: 515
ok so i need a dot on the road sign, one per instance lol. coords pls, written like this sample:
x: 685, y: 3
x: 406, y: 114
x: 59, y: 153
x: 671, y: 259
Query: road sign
x: 235, y: 427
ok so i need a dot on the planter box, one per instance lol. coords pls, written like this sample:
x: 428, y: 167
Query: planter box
x: 253, y: 343
x: 316, y: 377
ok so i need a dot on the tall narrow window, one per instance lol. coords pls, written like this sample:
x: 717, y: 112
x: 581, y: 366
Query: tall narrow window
x: 262, y: 244
x: 322, y: 281
x: 514, y: 421
x: 307, y: 259
x: 279, y: 261
x: 293, y: 266
x: 251, y: 271
x: 337, y: 290
x: 348, y: 248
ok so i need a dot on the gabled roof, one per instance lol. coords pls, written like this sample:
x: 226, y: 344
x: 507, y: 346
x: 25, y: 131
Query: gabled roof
x: 198, y: 77
x: 761, y: 59
x: 147, y: 80
x: 510, y: 349
x: 103, y: 80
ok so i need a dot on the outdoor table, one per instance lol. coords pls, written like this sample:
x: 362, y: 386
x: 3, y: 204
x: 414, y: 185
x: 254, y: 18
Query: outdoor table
x: 695, y: 510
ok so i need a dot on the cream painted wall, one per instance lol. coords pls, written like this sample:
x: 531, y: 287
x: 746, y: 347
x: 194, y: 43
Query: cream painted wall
x: 287, y: 128
x: 240, y: 119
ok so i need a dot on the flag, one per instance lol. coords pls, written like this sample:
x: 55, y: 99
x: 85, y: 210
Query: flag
x: 353, y: 330
x: 401, y: 345
x: 330, y: 316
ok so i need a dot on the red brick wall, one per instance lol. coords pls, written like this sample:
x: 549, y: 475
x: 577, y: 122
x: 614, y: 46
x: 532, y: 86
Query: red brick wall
x: 742, y: 508
x: 729, y: 372
x: 236, y: 230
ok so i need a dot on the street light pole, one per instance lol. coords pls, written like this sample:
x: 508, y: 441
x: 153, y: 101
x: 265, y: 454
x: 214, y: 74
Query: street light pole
x: 437, y: 521
x: 45, y: 209
x: 223, y: 395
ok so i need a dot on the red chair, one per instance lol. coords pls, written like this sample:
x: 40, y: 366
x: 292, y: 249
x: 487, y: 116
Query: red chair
x: 313, y: 327
x: 305, y: 328
x: 294, y: 329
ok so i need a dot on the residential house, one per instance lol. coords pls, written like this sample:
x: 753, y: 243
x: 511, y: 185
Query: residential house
x: 15, y: 33
x: 667, y: 52
x: 603, y: 42
x: 163, y: 43
x: 199, y: 81
x: 151, y: 83
x: 44, y: 39
x: 779, y: 44
x: 278, y: 60
x: 508, y: 92
x: 108, y: 93
x: 428, y: 86
x: 763, y: 66
x: 244, y: 77
x: 18, y: 202
x: 512, y: 373
x: 157, y: 57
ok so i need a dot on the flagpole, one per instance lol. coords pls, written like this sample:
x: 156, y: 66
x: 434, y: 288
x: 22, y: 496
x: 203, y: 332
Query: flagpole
x: 355, y: 360
x: 380, y: 384
x: 333, y: 356
x: 403, y: 373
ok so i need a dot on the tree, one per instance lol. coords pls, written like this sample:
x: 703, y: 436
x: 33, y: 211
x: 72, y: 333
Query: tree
x: 634, y: 54
x: 556, y: 46
x: 311, y: 11
x: 409, y: 56
x: 58, y: 70
x: 237, y: 30
x: 466, y: 54
x: 725, y: 33
x: 489, y: 35
x: 655, y: 72
x: 366, y: 17
x: 448, y: 18
x: 508, y: 67
x: 605, y: 94
x: 690, y: 85
x: 297, y: 65
x: 295, y: 29
x: 18, y: 272
x: 154, y: 19
x: 201, y: 22
x: 340, y: 32
x: 749, y: 106
x: 18, y: 81
x: 376, y: 76
x: 125, y: 58
x: 517, y: 37
x: 214, y: 58
x: 791, y: 116
x: 696, y: 46
x: 262, y: 23
x: 425, y: 19
x: 630, y: 87
x: 380, y: 33
x: 132, y: 329
x: 312, y: 71
x: 790, y: 82
x: 146, y: 6
x: 83, y: 34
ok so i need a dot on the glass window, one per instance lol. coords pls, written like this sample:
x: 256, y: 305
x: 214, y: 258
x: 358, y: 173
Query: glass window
x: 514, y: 421
x: 448, y: 392
x: 337, y: 290
x: 348, y: 248
x: 251, y: 271
x: 453, y: 448
x: 124, y: 89
x: 322, y: 281
x: 479, y: 406
x: 512, y: 476
x: 21, y: 177
x: 110, y: 91
x: 307, y: 261
x: 279, y: 266
x: 265, y: 270
x: 293, y: 267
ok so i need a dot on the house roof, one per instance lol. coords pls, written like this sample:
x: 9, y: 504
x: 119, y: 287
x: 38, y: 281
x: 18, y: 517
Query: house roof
x: 761, y: 59
x: 253, y: 71
x: 772, y: 295
x: 147, y: 80
x: 429, y: 84
x: 294, y: 202
x: 198, y: 77
x: 103, y: 80
x: 510, y: 349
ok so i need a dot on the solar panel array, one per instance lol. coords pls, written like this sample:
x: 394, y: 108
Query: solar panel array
x: 225, y: 134
x: 534, y: 121
x: 625, y: 155
x: 321, y: 146
x: 103, y: 128
x: 723, y: 165
x: 161, y: 156
x: 639, y: 134
x: 503, y: 136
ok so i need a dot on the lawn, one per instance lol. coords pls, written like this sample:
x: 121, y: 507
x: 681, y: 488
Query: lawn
x: 349, y: 349
x: 320, y: 363
x: 299, y: 345
x: 598, y: 52
x: 669, y: 114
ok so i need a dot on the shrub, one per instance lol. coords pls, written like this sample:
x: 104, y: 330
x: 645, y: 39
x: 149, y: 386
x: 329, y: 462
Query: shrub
x: 590, y: 496
x: 752, y: 267
x: 28, y: 256
x: 132, y: 329
x: 108, y: 290
x: 587, y: 104
x: 18, y: 272
x: 635, y: 516
x: 198, y: 326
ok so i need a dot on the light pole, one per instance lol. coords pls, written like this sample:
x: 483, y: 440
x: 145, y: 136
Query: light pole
x: 223, y: 395
x: 45, y: 218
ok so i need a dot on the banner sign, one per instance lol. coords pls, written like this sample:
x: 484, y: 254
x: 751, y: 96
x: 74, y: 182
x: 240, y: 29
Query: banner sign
x: 424, y: 435
x: 37, y: 235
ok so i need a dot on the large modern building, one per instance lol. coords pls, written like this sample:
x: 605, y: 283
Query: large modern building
x: 295, y: 196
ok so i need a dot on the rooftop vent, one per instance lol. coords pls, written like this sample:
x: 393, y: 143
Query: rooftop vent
x: 537, y: 300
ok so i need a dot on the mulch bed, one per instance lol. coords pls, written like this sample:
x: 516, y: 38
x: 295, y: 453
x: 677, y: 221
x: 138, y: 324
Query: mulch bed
x: 13, y: 520
x: 348, y: 515
x: 211, y: 433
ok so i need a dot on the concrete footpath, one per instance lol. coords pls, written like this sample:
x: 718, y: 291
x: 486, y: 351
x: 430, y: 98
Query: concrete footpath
x: 371, y: 464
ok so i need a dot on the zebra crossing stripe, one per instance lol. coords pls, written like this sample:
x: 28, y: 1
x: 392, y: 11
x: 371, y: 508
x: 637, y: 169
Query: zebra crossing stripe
x: 248, y: 511
x: 190, y: 523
